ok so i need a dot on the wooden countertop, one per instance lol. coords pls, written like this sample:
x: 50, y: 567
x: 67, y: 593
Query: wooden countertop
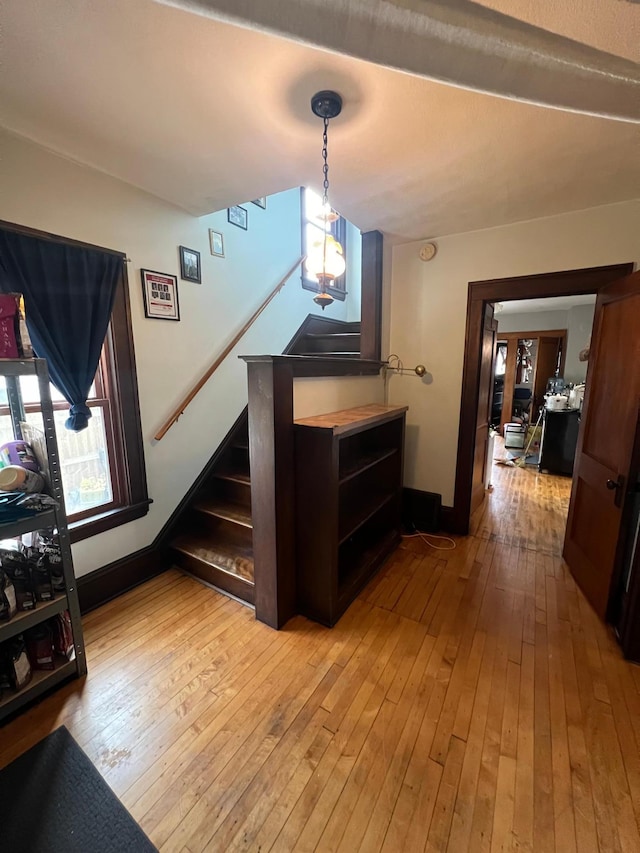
x: 352, y: 420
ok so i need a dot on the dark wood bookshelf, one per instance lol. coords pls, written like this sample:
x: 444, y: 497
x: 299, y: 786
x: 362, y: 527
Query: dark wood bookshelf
x: 348, y: 501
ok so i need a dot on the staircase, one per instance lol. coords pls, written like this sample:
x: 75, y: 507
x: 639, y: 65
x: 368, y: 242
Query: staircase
x: 213, y: 540
x: 323, y: 337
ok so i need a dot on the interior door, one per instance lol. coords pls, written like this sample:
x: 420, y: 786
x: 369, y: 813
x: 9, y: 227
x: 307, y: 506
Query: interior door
x: 605, y: 444
x: 483, y: 415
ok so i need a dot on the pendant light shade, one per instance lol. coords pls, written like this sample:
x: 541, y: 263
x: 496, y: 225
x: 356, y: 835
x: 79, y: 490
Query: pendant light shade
x: 325, y: 260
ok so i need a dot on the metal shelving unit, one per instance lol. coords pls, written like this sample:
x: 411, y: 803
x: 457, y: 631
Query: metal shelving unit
x: 42, y: 680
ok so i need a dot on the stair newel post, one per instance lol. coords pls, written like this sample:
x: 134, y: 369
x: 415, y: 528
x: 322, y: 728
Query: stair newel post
x: 271, y: 456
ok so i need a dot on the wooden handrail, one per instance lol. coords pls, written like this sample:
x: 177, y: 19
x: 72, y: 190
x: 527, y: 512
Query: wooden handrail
x: 179, y: 410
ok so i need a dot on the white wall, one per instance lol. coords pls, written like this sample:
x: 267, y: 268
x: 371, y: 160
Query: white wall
x: 579, y: 324
x: 428, y: 303
x: 47, y: 192
x: 533, y: 321
x: 577, y: 321
x: 318, y: 395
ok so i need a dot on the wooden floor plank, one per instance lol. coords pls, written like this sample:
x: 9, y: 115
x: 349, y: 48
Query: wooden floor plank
x: 468, y: 700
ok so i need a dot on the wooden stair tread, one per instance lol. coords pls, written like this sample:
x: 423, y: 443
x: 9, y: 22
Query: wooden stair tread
x: 331, y: 355
x: 227, y: 510
x: 332, y: 335
x: 234, y: 475
x: 233, y: 558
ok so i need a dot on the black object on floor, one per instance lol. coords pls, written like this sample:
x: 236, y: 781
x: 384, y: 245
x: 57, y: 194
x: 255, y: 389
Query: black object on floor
x: 53, y: 800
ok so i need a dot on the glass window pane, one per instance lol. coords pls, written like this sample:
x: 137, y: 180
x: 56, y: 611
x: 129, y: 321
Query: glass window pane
x: 312, y: 234
x: 312, y: 204
x: 31, y: 394
x: 86, y: 479
x: 6, y: 429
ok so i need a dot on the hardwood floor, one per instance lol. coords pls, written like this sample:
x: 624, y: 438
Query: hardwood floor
x: 468, y: 700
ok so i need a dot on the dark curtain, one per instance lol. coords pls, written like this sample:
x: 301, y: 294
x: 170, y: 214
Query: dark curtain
x: 68, y: 296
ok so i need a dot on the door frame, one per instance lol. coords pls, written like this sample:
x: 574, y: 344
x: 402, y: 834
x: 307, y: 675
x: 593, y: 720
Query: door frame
x: 541, y: 286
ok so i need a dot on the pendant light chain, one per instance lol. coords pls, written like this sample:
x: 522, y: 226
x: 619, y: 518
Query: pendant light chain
x: 325, y: 168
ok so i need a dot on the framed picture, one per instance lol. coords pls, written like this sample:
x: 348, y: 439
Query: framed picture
x: 239, y: 216
x: 160, y: 293
x: 261, y: 202
x: 190, y: 269
x: 216, y: 243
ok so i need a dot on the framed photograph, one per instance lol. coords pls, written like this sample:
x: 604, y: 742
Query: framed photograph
x: 216, y: 243
x: 160, y: 293
x: 239, y: 216
x: 190, y: 269
x: 261, y: 202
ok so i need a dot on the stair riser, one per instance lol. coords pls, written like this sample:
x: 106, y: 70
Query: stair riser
x: 323, y: 325
x: 240, y: 493
x: 214, y: 527
x: 223, y: 580
x: 330, y: 344
x: 239, y: 457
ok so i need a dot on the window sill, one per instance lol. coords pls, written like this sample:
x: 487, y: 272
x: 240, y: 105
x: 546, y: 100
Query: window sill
x: 87, y: 527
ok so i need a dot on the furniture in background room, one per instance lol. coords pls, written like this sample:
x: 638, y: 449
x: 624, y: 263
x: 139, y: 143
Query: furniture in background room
x: 548, y: 353
x: 515, y: 435
x: 348, y: 504
x: 559, y: 441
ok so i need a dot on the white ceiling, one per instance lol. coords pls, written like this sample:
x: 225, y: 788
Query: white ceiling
x: 555, y: 303
x: 205, y: 114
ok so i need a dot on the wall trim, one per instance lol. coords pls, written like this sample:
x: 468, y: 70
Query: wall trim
x: 120, y: 576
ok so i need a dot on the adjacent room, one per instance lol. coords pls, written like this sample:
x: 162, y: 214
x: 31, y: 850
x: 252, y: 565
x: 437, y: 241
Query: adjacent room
x: 319, y: 426
x: 540, y: 368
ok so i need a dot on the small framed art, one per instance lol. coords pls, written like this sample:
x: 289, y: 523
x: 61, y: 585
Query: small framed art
x: 190, y: 269
x: 239, y: 216
x: 216, y: 243
x: 260, y: 202
x: 160, y: 292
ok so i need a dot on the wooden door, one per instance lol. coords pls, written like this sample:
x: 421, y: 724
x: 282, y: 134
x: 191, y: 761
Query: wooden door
x: 483, y: 415
x: 606, y: 440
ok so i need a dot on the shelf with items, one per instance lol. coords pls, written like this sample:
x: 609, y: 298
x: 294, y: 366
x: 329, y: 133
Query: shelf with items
x: 40, y: 521
x: 25, y: 619
x: 55, y: 546
x: 348, y: 494
x: 41, y: 681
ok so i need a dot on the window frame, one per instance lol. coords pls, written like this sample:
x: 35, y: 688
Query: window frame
x: 101, y: 401
x: 121, y: 387
x: 339, y: 230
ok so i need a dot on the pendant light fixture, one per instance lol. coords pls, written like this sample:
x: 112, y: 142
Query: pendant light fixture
x: 325, y: 260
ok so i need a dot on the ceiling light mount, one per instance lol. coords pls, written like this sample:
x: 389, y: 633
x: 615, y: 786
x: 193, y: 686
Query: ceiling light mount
x: 326, y: 104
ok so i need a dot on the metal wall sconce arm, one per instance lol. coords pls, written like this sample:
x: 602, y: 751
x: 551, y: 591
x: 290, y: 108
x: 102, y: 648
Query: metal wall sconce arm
x: 394, y: 363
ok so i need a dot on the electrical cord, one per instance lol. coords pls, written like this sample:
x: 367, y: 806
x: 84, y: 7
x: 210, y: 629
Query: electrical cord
x: 425, y: 538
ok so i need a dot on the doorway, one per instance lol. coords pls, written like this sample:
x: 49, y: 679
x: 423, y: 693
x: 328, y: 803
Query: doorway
x: 538, y: 349
x: 616, y: 288
x: 481, y: 294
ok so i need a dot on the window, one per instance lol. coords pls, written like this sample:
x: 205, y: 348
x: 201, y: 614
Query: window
x: 312, y: 231
x: 103, y: 472
x: 89, y: 465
